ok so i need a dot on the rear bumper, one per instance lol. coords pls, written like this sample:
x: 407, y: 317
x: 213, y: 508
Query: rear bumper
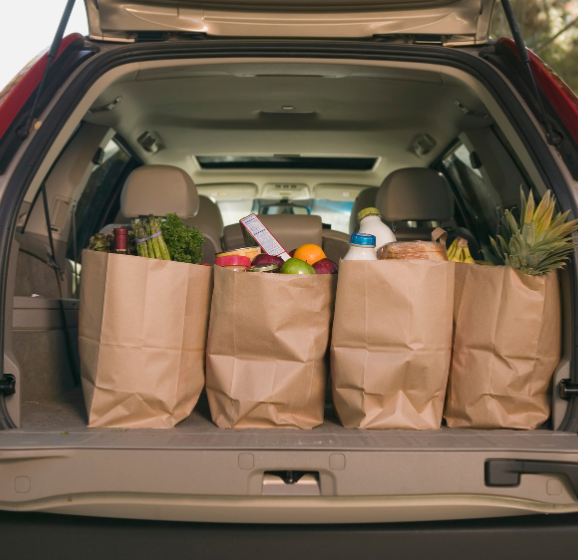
x: 290, y: 510
x: 213, y: 477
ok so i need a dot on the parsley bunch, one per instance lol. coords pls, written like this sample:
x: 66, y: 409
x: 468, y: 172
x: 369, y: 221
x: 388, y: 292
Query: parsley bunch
x: 184, y: 244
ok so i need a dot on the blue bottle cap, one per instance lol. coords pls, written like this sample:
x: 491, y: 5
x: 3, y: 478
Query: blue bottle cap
x: 364, y: 239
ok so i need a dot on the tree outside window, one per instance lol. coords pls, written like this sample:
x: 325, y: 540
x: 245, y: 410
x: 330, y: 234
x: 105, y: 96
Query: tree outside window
x: 550, y: 29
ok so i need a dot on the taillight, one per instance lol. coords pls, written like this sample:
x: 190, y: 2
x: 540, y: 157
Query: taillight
x: 16, y: 93
x: 561, y: 97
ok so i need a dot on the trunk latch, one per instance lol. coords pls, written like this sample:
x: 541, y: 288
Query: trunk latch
x: 291, y: 483
x: 568, y: 389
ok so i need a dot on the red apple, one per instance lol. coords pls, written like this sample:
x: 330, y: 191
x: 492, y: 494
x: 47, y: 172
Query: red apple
x: 326, y: 266
x: 292, y: 253
x: 264, y: 258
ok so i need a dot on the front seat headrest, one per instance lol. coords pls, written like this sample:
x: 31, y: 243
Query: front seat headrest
x: 415, y: 193
x: 159, y: 190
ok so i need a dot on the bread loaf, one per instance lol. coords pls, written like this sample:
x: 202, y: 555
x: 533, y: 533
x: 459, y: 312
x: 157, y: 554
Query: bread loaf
x: 423, y: 250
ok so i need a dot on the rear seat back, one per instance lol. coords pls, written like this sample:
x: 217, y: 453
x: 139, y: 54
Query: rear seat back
x: 290, y: 230
x: 34, y: 274
x: 209, y: 221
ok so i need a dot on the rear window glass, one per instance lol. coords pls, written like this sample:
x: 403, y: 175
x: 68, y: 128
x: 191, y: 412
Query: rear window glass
x: 333, y: 213
x: 286, y: 162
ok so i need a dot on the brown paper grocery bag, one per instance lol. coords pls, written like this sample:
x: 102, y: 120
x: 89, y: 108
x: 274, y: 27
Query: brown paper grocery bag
x: 268, y: 337
x: 391, y: 346
x: 507, y: 344
x: 142, y: 335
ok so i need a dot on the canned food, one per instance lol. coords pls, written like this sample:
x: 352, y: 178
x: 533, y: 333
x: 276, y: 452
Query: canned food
x: 250, y: 252
x: 236, y: 263
x: 271, y: 267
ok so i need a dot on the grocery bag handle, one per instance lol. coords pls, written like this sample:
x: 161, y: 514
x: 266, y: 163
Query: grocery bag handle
x: 439, y: 235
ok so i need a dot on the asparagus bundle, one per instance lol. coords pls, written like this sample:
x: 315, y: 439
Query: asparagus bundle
x: 156, y: 235
x: 149, y: 239
x: 140, y: 238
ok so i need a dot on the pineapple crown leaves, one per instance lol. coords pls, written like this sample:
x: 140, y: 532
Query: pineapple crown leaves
x: 539, y: 242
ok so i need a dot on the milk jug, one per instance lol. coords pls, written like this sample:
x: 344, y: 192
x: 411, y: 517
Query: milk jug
x: 370, y: 222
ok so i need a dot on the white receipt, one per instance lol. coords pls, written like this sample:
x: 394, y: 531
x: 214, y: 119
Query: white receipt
x: 263, y: 236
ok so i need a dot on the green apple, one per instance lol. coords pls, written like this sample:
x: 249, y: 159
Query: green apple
x: 297, y: 266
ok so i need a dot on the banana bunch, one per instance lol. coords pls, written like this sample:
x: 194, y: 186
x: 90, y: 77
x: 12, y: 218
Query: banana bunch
x: 459, y: 251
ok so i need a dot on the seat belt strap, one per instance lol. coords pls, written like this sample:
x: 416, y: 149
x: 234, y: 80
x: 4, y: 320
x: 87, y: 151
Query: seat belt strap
x: 53, y: 263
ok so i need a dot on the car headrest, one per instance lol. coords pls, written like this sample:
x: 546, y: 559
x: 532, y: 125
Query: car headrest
x: 415, y: 193
x: 159, y: 190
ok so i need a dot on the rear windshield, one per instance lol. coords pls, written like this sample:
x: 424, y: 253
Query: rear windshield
x: 333, y: 213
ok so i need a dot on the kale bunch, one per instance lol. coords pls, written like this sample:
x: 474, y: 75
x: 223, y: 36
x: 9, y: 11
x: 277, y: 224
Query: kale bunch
x: 184, y: 244
x: 102, y: 242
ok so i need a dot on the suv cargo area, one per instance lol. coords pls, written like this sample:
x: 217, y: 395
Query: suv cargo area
x: 316, y: 134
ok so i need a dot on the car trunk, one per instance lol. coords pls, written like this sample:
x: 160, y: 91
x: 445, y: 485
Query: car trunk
x: 198, y: 472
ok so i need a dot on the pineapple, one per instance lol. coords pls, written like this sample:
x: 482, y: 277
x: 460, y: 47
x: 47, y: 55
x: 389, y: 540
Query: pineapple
x: 540, y: 243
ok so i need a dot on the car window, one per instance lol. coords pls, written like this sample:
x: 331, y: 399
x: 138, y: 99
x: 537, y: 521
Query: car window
x: 96, y: 197
x: 233, y: 210
x: 336, y: 213
x: 479, y: 200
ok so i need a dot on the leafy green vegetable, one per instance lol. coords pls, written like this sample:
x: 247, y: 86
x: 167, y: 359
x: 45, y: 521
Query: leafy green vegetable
x: 102, y: 242
x: 184, y: 244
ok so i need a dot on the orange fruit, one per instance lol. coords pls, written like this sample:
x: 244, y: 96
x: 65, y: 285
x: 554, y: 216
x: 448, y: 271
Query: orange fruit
x: 310, y: 253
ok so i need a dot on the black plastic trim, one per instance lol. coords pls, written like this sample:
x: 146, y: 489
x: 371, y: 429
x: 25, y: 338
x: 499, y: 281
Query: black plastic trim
x: 331, y: 50
x: 8, y: 385
x: 507, y: 472
x: 30, y: 536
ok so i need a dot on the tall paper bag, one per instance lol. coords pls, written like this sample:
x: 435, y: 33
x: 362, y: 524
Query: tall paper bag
x: 391, y: 344
x: 142, y: 337
x: 507, y: 345
x: 266, y: 348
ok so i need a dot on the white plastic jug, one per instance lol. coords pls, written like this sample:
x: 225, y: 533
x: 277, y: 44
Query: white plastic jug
x: 361, y: 248
x: 370, y: 222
